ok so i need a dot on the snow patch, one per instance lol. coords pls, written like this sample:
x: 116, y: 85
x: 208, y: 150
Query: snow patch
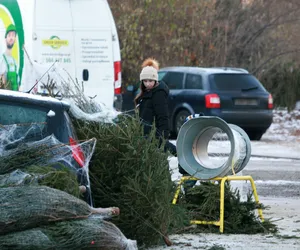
x: 51, y: 113
x: 277, y: 182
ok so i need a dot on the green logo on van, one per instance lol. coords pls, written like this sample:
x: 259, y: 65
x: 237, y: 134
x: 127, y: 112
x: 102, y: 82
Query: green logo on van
x: 10, y: 15
x: 55, y: 42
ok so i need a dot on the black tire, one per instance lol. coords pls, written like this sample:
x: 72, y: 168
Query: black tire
x: 255, y: 135
x: 179, y: 120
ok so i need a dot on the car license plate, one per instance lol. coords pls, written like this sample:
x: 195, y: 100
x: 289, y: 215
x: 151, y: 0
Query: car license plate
x: 251, y: 102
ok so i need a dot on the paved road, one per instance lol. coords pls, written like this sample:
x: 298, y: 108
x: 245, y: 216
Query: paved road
x: 275, y: 177
x: 274, y: 168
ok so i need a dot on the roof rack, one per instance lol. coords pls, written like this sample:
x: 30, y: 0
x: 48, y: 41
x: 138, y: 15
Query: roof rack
x: 231, y: 68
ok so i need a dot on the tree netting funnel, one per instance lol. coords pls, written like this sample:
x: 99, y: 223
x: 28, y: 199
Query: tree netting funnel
x: 208, y: 147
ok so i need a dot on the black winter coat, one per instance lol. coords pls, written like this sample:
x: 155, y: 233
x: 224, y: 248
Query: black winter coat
x: 153, y: 107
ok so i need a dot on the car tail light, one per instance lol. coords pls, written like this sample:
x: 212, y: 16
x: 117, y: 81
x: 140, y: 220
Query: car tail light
x: 77, y: 152
x: 270, y: 102
x: 118, y: 81
x: 212, y: 101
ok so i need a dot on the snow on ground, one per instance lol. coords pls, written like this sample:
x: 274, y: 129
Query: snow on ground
x: 287, y: 239
x: 282, y: 139
x: 285, y: 126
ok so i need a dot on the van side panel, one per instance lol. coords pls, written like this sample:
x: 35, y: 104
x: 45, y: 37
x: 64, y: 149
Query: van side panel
x: 93, y: 48
x: 53, y: 40
x: 54, y: 14
x: 94, y: 55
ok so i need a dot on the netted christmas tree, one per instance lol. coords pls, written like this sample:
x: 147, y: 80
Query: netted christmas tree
x: 40, y: 189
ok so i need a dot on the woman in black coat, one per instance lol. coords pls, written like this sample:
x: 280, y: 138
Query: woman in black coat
x: 152, y: 102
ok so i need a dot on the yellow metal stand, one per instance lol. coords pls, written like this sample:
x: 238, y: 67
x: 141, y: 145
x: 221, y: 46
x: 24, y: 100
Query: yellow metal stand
x: 220, y: 223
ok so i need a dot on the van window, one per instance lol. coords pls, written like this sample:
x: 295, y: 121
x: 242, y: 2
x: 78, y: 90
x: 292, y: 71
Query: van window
x: 193, y: 81
x: 237, y: 82
x: 174, y: 80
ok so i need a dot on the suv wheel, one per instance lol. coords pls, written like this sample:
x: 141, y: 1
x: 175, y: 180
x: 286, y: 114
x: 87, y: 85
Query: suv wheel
x: 180, y: 119
x: 255, y: 135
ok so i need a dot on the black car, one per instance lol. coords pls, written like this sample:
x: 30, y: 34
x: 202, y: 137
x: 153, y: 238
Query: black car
x: 229, y: 93
x: 31, y: 118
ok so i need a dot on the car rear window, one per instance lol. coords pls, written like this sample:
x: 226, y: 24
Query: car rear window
x: 21, y: 120
x: 16, y: 114
x: 31, y: 122
x: 234, y: 82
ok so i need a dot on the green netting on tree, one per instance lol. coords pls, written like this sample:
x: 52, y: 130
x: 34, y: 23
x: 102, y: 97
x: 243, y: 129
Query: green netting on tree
x: 62, y: 179
x: 19, y: 154
x: 17, y: 178
x: 26, y: 240
x: 46, y: 152
x: 24, y: 156
x: 93, y: 233
x: 30, y: 206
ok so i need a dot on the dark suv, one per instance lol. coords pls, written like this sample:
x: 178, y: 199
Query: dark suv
x: 229, y: 93
x: 28, y: 118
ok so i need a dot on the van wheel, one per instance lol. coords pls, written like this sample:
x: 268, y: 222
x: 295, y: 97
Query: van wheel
x: 180, y: 119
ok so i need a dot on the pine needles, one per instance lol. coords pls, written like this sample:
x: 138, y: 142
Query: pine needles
x: 92, y: 233
x: 62, y: 179
x: 131, y: 171
x: 203, y: 202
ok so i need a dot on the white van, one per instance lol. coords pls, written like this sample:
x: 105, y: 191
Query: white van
x: 79, y: 35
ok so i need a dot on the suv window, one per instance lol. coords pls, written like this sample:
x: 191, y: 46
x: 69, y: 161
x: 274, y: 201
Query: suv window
x: 161, y: 75
x: 193, y: 81
x: 240, y: 82
x: 174, y: 80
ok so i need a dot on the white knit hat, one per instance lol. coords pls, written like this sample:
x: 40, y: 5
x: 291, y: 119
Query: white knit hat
x: 149, y: 73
